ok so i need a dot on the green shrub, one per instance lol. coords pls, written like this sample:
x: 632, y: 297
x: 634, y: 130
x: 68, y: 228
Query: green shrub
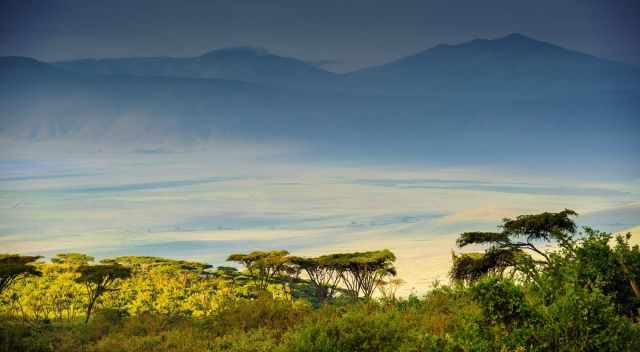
x: 502, y: 301
x: 360, y: 329
x: 16, y: 336
x: 581, y: 298
x: 586, y: 320
x: 259, y: 340
x: 263, y: 312
x: 155, y: 333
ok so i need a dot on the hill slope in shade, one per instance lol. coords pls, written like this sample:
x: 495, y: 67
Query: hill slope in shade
x: 238, y: 63
x: 486, y: 100
x: 514, y: 65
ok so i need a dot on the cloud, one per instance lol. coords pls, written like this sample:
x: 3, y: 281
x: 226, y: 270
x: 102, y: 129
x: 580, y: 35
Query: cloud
x: 232, y: 200
x: 481, y: 214
x: 486, y: 186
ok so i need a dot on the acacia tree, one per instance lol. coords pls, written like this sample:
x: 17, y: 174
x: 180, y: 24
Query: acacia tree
x: 263, y: 266
x: 72, y: 259
x: 469, y: 267
x: 146, y: 264
x: 14, y: 267
x: 289, y: 275
x: 389, y: 288
x: 361, y: 272
x: 98, y: 279
x: 515, y: 245
x: 321, y: 273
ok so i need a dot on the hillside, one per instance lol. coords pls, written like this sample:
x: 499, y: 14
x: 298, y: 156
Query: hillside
x: 514, y: 66
x: 238, y: 63
x: 512, y: 91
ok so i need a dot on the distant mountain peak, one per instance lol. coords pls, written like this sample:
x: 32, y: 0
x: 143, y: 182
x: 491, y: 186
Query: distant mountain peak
x: 511, y: 39
x: 517, y: 36
x: 19, y: 59
x: 514, y: 42
x: 21, y: 62
x: 521, y: 38
x: 237, y: 50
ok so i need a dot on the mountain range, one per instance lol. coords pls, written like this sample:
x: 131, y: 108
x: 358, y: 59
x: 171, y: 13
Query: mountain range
x: 247, y: 64
x: 515, y: 63
x: 512, y: 97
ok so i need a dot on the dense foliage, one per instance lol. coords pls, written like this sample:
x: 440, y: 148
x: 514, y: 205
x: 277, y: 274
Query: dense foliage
x: 581, y: 295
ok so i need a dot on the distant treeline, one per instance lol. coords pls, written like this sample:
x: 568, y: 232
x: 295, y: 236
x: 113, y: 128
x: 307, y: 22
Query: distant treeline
x: 582, y: 295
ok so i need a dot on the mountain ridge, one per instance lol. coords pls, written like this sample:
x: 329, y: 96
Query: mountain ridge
x: 249, y: 64
x: 515, y: 63
x: 418, y: 110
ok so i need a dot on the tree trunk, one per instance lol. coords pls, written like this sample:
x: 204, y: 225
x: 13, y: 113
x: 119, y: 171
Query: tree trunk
x: 632, y: 280
x: 89, y: 309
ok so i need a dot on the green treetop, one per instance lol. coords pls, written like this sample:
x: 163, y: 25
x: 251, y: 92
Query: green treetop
x: 323, y: 276
x: 517, y: 243
x: 263, y: 266
x: 361, y: 272
x: 15, y: 266
x: 99, y: 279
x: 72, y: 259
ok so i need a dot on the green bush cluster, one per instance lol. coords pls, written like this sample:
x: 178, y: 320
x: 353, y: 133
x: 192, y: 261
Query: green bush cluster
x: 476, y: 318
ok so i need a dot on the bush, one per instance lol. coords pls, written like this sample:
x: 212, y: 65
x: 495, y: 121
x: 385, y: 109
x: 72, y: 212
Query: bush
x: 263, y: 312
x: 502, y: 301
x: 586, y: 320
x: 259, y: 340
x: 581, y: 299
x: 360, y: 329
x: 155, y: 333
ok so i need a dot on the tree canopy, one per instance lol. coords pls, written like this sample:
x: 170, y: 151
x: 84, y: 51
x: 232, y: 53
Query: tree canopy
x: 517, y: 243
x: 324, y: 276
x: 584, y: 298
x: 263, y: 266
x: 72, y: 259
x: 99, y: 279
x: 149, y: 263
x: 14, y: 267
x: 469, y: 267
x: 361, y: 272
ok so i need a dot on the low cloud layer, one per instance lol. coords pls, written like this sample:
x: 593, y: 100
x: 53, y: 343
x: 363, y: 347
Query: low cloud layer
x: 203, y: 205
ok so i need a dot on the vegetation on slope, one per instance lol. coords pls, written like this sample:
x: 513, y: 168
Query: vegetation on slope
x: 581, y: 295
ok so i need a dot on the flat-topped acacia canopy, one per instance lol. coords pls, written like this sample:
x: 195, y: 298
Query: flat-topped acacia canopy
x: 72, y: 259
x: 15, y: 266
x: 370, y: 259
x: 263, y: 265
x: 509, y: 245
x: 160, y: 264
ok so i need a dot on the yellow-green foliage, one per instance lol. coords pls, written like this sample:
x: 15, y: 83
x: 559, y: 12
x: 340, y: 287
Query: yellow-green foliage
x: 56, y: 296
x: 53, y: 296
x: 446, y: 319
x: 582, y: 297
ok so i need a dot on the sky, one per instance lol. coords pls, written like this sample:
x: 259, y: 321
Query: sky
x: 338, y: 35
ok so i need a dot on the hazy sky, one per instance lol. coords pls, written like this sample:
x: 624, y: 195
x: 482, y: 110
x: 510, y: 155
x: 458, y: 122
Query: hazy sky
x: 342, y: 34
